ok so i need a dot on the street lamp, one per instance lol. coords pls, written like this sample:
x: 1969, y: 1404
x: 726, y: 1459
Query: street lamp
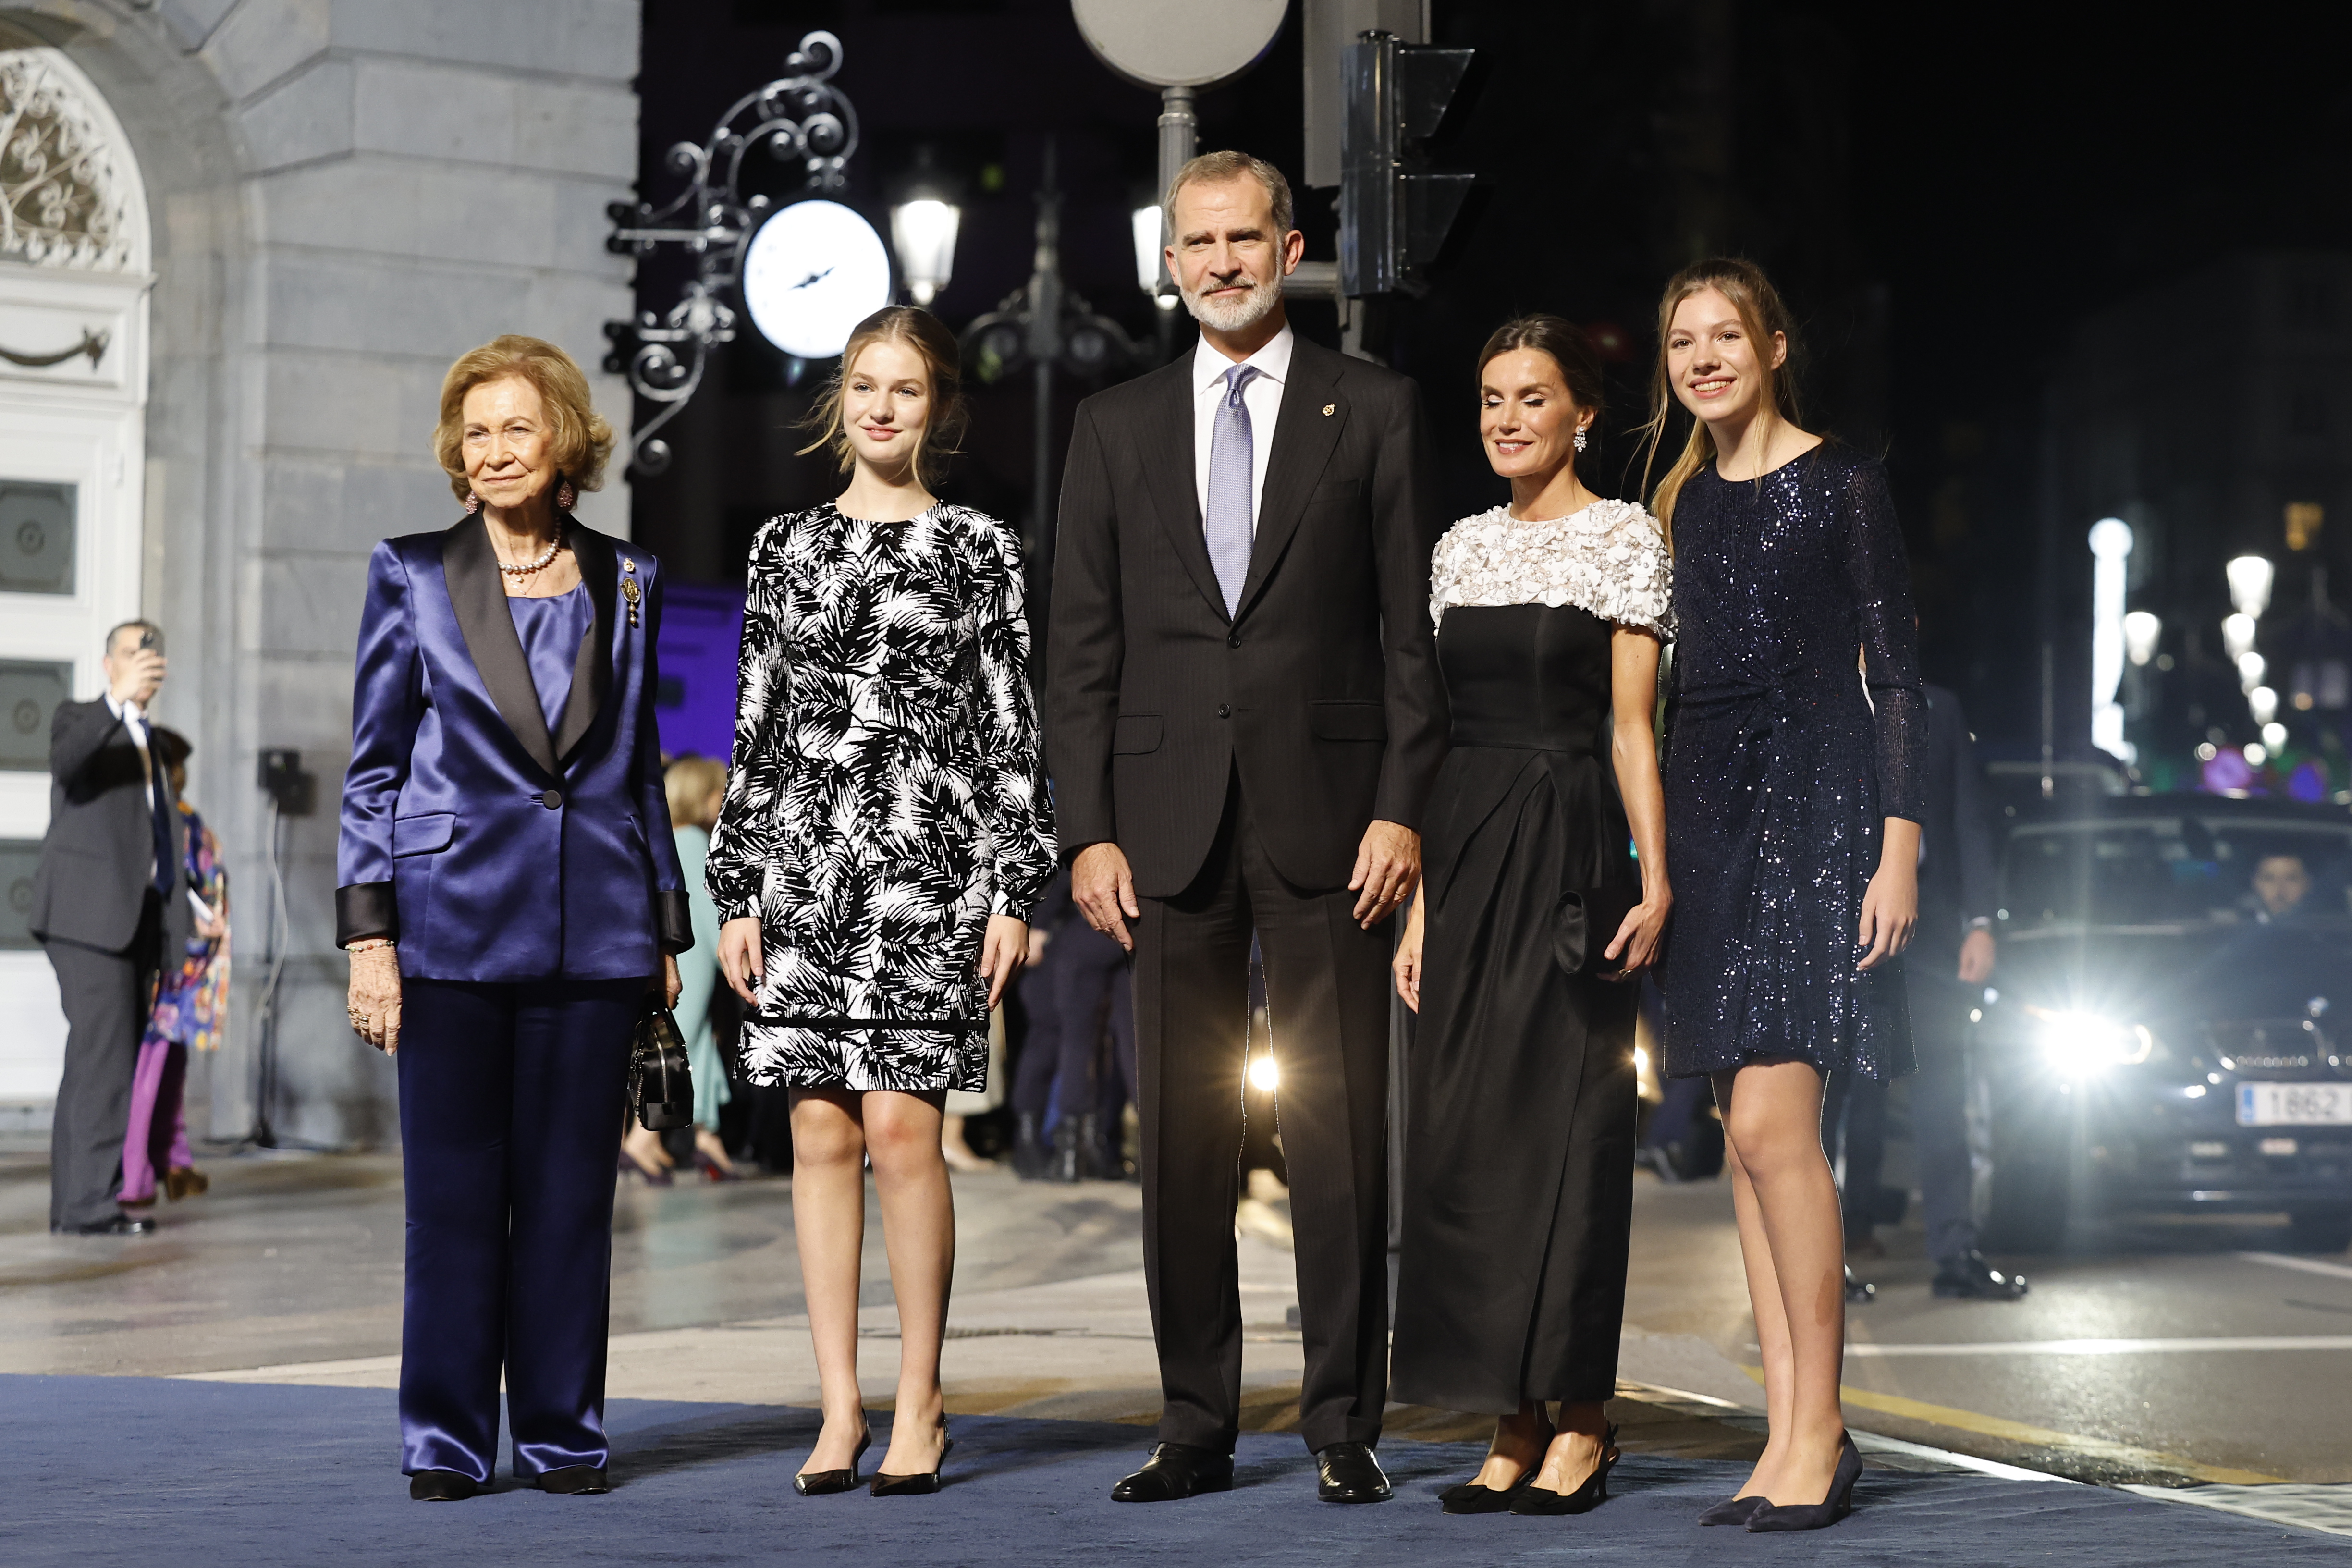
x: 2252, y: 667
x: 2250, y: 584
x: 2264, y: 703
x: 923, y: 233
x: 2142, y: 631
x: 2237, y: 636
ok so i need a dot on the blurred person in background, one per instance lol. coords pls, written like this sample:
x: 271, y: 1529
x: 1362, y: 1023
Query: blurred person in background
x: 884, y: 837
x: 189, y: 1012
x: 110, y: 902
x: 694, y: 786
x: 1947, y: 966
x: 1040, y: 1056
x: 2281, y: 883
x: 509, y: 891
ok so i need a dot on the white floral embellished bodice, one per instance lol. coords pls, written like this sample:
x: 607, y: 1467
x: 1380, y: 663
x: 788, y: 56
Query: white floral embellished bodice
x: 1609, y: 558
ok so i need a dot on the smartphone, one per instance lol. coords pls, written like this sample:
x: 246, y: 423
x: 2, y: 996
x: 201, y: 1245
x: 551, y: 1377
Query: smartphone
x: 151, y: 639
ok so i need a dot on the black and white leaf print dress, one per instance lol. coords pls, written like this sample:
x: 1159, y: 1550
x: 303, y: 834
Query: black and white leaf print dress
x: 886, y: 795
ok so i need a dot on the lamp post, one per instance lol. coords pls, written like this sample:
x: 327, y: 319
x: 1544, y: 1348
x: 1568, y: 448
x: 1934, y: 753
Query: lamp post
x: 1042, y: 326
x: 924, y: 219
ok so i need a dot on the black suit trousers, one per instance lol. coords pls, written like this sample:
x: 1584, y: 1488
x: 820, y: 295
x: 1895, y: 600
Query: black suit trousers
x: 105, y: 997
x: 1327, y: 987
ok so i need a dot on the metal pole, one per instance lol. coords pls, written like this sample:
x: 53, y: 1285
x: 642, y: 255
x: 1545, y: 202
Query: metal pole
x: 1179, y: 138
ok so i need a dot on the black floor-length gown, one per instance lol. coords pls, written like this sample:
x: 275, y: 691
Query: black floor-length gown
x: 1519, y: 1122
x: 1781, y: 767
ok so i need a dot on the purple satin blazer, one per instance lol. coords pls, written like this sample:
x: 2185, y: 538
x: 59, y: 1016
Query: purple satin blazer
x: 490, y: 850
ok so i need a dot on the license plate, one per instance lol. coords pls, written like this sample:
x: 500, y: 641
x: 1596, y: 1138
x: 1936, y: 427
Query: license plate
x: 2294, y: 1104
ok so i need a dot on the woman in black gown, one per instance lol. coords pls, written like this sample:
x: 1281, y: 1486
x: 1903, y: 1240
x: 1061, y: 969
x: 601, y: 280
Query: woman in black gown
x: 1520, y: 1085
x: 1793, y: 808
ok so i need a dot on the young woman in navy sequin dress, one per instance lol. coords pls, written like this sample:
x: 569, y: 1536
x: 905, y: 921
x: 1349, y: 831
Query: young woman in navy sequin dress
x: 1792, y: 809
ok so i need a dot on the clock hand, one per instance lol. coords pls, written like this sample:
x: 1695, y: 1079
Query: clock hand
x: 814, y: 277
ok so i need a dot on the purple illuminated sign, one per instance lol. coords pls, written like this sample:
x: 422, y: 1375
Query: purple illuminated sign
x: 701, y: 630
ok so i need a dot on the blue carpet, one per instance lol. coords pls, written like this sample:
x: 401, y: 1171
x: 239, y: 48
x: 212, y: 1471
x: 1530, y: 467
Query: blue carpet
x: 99, y: 1470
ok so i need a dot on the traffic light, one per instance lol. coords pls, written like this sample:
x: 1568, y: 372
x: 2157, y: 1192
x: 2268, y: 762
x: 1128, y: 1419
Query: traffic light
x: 1391, y: 221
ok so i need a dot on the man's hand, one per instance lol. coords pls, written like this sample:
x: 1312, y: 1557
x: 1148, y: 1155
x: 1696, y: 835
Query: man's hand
x: 1976, y: 957
x: 135, y: 677
x: 739, y: 956
x: 1104, y: 889
x: 1388, y: 867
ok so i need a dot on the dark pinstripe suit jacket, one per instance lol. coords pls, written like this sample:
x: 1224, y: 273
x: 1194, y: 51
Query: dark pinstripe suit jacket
x: 1323, y: 689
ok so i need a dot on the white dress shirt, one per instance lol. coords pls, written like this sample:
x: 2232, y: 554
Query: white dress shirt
x: 134, y: 719
x: 1262, y: 397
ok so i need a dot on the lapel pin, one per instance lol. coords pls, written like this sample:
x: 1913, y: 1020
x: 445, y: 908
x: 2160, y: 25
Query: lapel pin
x: 627, y: 565
x: 1329, y: 409
x: 629, y: 588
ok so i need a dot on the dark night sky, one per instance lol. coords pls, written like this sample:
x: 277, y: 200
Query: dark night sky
x: 1941, y: 191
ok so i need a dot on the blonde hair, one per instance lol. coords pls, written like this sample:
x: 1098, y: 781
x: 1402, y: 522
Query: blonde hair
x: 577, y: 435
x: 690, y: 785
x: 1762, y: 313
x: 942, y: 362
x: 1215, y: 169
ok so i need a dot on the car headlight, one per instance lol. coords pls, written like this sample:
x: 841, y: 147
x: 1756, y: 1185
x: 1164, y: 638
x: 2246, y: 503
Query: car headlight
x: 2077, y: 1042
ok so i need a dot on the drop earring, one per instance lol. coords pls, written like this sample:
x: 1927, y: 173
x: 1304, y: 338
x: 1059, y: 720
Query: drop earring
x: 1580, y: 440
x: 565, y: 495
x: 473, y: 503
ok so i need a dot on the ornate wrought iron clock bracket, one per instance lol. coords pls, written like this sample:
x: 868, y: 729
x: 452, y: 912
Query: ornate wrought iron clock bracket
x: 799, y: 116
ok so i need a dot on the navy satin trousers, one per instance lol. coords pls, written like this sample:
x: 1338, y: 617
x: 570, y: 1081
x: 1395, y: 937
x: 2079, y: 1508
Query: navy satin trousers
x: 511, y: 1105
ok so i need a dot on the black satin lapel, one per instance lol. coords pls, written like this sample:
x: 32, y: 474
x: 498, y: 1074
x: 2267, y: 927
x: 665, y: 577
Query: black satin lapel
x: 1166, y: 446
x: 471, y: 570
x: 592, y: 670
x: 1304, y: 438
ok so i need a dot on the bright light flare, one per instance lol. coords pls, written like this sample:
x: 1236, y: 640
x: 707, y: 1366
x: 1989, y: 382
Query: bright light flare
x: 2237, y: 636
x: 2143, y: 629
x: 2078, y: 1042
x: 1264, y: 1076
x: 2249, y: 583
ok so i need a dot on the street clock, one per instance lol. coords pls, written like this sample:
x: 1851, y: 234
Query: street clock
x: 812, y: 273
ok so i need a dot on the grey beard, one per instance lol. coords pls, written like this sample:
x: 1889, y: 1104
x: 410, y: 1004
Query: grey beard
x: 1239, y: 315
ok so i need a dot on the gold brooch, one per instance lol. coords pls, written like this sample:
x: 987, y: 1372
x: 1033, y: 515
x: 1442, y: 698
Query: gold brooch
x: 629, y: 588
x: 1329, y: 409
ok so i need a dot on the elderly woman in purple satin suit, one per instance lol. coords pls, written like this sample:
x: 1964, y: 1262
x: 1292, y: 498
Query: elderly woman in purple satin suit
x: 509, y: 890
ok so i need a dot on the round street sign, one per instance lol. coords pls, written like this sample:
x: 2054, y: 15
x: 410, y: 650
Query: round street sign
x: 1198, y: 44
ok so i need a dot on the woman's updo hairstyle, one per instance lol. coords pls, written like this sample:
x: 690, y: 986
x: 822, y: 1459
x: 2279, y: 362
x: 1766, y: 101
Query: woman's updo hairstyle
x: 577, y: 435
x: 1570, y: 348
x: 942, y: 362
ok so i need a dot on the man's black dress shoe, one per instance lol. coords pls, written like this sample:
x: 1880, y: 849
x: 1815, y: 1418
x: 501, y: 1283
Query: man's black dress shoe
x: 120, y: 1225
x: 442, y: 1486
x: 1346, y: 1472
x: 1972, y: 1278
x: 1177, y: 1471
x: 575, y: 1480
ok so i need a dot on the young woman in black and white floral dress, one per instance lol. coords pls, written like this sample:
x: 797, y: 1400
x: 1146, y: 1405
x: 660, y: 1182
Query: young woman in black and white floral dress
x: 885, y: 833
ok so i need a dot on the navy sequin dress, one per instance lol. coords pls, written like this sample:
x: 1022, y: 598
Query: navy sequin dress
x: 1779, y: 769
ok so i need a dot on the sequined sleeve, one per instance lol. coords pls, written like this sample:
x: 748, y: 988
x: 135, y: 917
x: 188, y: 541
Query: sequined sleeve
x: 1880, y: 571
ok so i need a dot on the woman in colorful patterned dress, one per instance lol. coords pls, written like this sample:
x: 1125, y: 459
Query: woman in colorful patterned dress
x: 885, y: 833
x: 190, y: 1013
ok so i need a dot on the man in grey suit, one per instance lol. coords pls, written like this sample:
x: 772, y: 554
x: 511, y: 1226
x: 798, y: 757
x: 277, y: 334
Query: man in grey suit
x: 110, y: 898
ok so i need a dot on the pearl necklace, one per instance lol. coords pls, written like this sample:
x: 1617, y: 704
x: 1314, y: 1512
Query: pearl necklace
x: 528, y: 567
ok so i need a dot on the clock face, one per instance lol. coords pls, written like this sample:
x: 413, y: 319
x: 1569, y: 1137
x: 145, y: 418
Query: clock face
x: 813, y: 272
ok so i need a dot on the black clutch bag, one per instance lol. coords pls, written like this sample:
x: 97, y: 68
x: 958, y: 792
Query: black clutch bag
x: 661, y: 1086
x: 1584, y: 925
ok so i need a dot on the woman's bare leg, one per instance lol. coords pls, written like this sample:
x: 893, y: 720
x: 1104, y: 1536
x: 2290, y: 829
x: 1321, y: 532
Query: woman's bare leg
x: 902, y: 1134
x: 829, y: 1223
x: 1575, y: 1452
x: 1772, y: 1123
x: 1777, y: 1358
x: 1518, y: 1448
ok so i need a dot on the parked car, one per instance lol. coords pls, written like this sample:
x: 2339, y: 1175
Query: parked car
x: 2170, y: 1025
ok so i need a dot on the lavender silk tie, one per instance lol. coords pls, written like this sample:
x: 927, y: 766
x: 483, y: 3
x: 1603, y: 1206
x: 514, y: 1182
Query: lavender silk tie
x: 1229, y: 525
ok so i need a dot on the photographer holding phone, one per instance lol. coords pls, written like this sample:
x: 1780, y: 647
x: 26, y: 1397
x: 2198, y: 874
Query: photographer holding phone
x: 109, y: 898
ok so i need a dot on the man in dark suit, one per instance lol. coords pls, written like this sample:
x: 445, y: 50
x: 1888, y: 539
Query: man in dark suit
x: 1950, y: 961
x: 110, y: 899
x: 1245, y: 718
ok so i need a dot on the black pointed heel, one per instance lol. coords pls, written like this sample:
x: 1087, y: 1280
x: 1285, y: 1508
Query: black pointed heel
x: 1830, y: 1509
x: 825, y: 1483
x: 1469, y: 1496
x: 921, y: 1485
x: 1736, y: 1511
x: 1590, y: 1495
